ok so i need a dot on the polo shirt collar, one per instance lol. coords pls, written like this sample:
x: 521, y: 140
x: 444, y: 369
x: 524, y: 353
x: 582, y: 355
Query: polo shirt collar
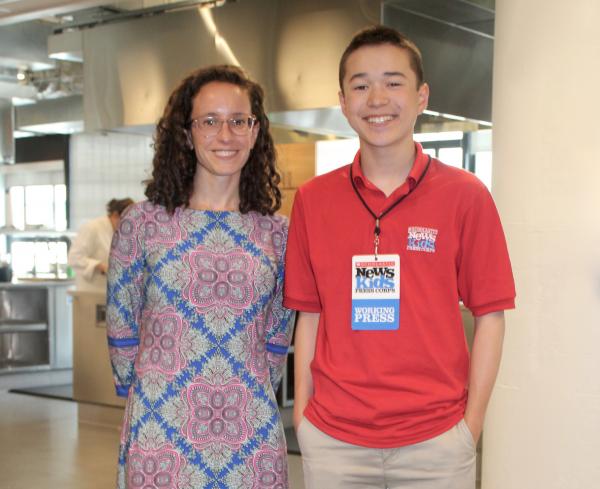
x: 415, y: 172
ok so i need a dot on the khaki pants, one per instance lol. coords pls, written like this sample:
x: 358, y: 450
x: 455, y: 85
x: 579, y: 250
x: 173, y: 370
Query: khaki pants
x: 444, y: 462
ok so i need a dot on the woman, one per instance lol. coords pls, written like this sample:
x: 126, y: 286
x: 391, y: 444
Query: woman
x: 88, y: 254
x: 196, y: 327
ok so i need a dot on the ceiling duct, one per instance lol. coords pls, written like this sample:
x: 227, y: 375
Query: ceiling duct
x: 129, y: 10
x: 22, y: 53
x: 66, y: 46
x: 19, y: 11
x: 53, y: 116
x: 23, y: 46
x: 8, y: 90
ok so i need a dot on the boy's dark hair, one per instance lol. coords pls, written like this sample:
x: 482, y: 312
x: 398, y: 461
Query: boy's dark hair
x: 118, y: 205
x: 380, y: 34
x: 175, y: 162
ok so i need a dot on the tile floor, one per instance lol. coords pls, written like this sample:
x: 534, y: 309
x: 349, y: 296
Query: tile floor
x: 41, y: 445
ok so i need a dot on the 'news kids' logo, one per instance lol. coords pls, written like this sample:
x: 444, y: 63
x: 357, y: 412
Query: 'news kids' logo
x: 376, y: 294
x: 421, y: 239
x: 375, y: 276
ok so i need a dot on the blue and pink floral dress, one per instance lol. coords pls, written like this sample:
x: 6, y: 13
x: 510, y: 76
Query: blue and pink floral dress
x: 198, y: 338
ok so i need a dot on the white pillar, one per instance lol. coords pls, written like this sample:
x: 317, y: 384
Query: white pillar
x: 543, y: 425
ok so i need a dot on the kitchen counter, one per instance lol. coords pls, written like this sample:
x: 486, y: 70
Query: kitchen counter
x: 93, y: 386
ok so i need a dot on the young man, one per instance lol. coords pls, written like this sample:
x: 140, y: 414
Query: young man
x: 380, y: 253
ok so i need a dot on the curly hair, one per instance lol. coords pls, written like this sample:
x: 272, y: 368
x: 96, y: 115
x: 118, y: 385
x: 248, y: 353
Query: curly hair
x: 175, y: 162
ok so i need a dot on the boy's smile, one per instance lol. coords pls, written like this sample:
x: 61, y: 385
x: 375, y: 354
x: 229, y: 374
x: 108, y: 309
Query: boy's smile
x: 380, y: 97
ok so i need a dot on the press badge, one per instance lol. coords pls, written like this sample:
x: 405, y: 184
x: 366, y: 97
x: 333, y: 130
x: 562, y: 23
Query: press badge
x: 375, y: 292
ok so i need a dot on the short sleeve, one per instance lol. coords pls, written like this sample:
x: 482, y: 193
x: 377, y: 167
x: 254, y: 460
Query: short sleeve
x: 300, y: 289
x: 485, y: 279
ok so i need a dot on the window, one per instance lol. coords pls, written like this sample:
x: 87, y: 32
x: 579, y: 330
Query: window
x: 35, y: 209
x: 39, y: 207
x: 17, y: 210
x: 40, y: 257
x: 452, y: 156
x: 469, y: 150
x: 483, y: 167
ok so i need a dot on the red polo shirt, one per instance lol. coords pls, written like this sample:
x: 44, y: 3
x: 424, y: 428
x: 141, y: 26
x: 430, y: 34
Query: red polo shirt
x: 394, y: 388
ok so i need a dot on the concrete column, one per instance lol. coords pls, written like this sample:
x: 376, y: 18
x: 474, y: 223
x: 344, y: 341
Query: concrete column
x: 543, y: 425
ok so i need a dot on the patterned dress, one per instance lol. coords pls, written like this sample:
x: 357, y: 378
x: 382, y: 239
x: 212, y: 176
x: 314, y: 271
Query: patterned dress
x: 198, y: 337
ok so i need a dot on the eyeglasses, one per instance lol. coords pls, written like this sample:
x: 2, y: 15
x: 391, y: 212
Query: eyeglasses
x: 211, y: 126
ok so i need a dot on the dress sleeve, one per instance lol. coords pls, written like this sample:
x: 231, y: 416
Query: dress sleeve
x: 125, y: 299
x: 81, y: 251
x: 279, y: 335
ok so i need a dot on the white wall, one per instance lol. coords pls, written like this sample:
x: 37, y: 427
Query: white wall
x: 543, y: 426
x: 106, y: 166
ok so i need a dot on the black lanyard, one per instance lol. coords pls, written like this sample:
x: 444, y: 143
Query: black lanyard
x: 377, y: 230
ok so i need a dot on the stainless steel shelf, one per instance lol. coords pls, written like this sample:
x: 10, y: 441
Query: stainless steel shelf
x: 21, y: 326
x: 38, y: 233
x: 14, y: 366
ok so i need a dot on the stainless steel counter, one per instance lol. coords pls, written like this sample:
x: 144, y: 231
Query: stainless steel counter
x: 35, y: 326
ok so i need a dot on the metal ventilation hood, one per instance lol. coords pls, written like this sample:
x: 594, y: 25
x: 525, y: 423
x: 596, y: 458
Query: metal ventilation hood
x: 473, y: 16
x: 457, y: 43
x: 291, y: 47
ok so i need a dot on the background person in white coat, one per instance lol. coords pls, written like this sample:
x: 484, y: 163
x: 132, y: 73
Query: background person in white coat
x: 88, y: 255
